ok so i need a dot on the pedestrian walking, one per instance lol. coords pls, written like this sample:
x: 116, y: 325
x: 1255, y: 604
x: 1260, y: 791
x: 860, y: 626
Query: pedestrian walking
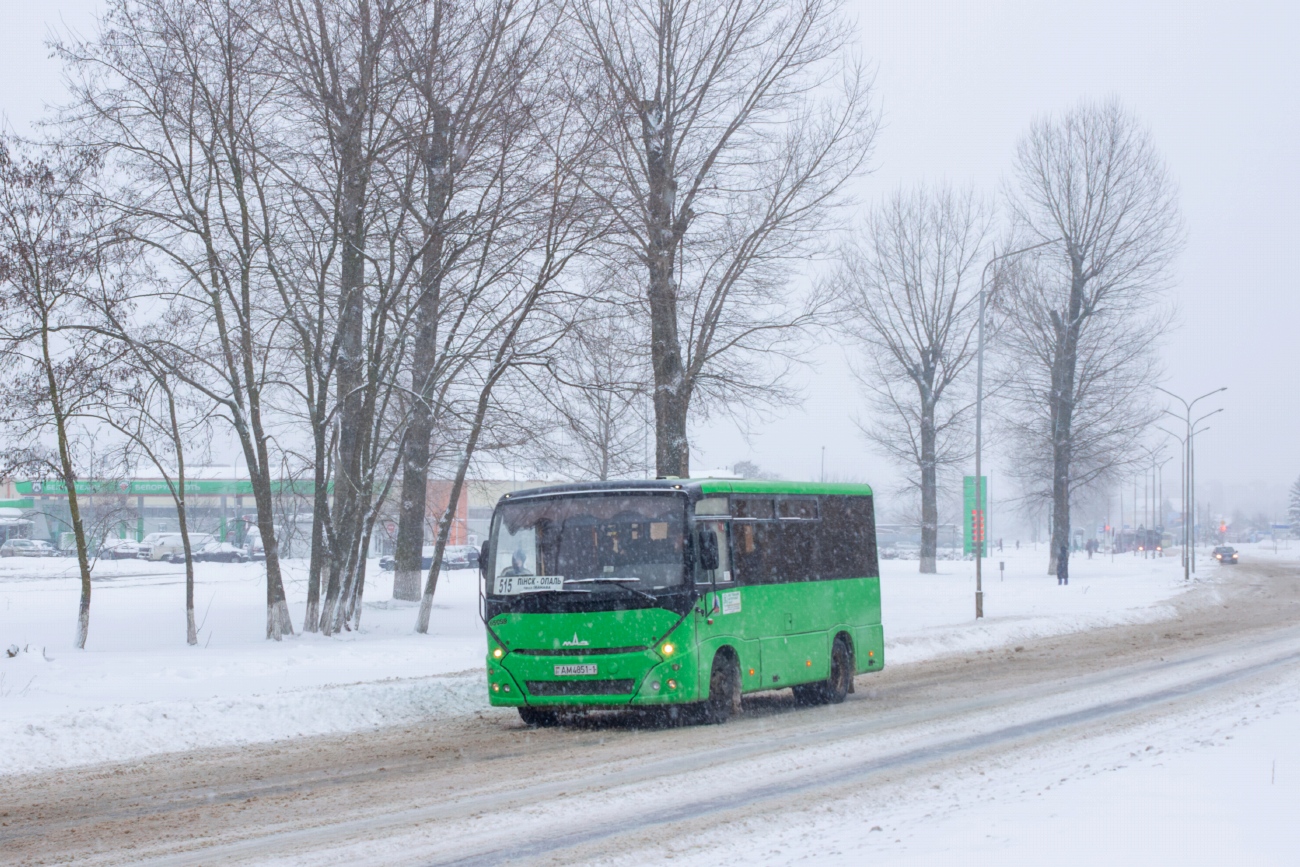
x: 1063, y: 565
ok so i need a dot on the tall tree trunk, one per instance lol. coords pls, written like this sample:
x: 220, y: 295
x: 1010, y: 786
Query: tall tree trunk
x: 320, y: 507
x: 253, y: 438
x: 409, y: 557
x: 672, y: 389
x: 74, y: 511
x: 191, y: 631
x: 70, y: 483
x: 1068, y: 325
x: 278, y: 622
x: 348, y: 479
x: 358, y: 592
x: 929, y: 492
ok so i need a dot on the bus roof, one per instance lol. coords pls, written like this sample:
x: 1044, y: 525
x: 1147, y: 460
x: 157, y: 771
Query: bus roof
x: 701, y: 487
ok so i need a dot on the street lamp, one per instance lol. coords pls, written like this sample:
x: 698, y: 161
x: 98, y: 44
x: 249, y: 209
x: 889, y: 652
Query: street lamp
x: 1189, y: 552
x: 979, y: 428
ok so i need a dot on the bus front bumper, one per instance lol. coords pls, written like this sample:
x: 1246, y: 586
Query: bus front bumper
x: 597, y: 680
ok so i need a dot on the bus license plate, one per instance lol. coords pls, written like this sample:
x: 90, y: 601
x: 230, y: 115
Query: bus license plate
x: 568, y: 670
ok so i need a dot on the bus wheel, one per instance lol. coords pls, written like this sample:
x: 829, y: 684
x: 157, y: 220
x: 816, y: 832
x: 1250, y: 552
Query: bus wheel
x: 833, y: 689
x: 724, y: 690
x: 538, y: 718
x: 837, y: 685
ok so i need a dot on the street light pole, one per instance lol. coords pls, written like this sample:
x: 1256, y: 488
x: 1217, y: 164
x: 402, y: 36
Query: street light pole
x: 1189, y: 532
x: 979, y: 428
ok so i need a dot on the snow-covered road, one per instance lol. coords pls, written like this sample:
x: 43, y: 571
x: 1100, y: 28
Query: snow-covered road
x: 931, y: 742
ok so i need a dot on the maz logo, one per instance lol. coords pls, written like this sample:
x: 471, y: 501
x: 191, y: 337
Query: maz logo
x: 574, y: 642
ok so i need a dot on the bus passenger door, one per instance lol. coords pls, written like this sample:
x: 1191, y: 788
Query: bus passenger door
x: 724, y: 617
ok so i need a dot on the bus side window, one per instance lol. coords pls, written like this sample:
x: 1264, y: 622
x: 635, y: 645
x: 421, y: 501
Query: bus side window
x: 717, y: 530
x: 848, y: 548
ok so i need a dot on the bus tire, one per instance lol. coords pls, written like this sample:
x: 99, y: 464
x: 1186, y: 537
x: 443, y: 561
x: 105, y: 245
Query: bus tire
x: 537, y: 718
x: 724, y: 690
x: 840, y: 683
x: 834, y: 688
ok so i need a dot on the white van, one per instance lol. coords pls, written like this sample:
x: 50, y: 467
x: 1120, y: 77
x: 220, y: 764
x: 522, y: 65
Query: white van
x: 170, y: 547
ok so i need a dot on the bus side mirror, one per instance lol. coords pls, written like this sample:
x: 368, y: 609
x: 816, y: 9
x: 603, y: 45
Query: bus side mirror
x: 483, y: 560
x: 708, y: 550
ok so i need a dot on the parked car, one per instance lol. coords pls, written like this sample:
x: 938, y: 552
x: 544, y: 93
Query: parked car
x: 458, y: 557
x: 27, y: 548
x: 254, y: 548
x: 219, y: 552
x: 119, y: 549
x: 1226, y: 554
x: 170, y: 547
x: 454, y: 557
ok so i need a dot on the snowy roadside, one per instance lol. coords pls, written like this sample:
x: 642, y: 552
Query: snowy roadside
x: 1213, y: 784
x: 138, y: 689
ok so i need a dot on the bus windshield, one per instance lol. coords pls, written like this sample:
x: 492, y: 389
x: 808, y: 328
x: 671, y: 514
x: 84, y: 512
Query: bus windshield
x: 615, y: 544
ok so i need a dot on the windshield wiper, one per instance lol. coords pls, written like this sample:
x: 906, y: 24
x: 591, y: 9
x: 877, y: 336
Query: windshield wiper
x: 619, y: 582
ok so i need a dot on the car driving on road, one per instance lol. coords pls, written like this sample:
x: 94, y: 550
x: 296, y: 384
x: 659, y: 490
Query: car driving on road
x: 1226, y: 554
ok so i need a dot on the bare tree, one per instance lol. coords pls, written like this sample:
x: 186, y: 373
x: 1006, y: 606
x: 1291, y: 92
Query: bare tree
x: 334, y: 63
x: 56, y: 273
x: 469, y: 128
x: 529, y: 308
x: 910, y: 289
x: 728, y: 130
x: 1083, y: 313
x: 174, y: 94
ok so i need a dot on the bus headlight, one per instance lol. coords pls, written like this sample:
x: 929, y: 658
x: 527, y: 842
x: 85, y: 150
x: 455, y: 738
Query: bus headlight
x: 497, y: 653
x: 668, y: 649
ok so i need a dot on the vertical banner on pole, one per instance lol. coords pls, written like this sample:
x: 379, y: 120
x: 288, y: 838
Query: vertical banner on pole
x: 974, y: 515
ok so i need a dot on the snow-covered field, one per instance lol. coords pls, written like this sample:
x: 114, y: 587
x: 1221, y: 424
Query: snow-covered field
x: 138, y: 689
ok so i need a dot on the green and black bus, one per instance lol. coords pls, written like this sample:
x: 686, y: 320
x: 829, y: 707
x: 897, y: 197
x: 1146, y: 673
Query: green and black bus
x: 680, y: 594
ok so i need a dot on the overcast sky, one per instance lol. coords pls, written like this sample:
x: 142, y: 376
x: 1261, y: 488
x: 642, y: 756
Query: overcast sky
x: 958, y: 83
x: 1219, y: 86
